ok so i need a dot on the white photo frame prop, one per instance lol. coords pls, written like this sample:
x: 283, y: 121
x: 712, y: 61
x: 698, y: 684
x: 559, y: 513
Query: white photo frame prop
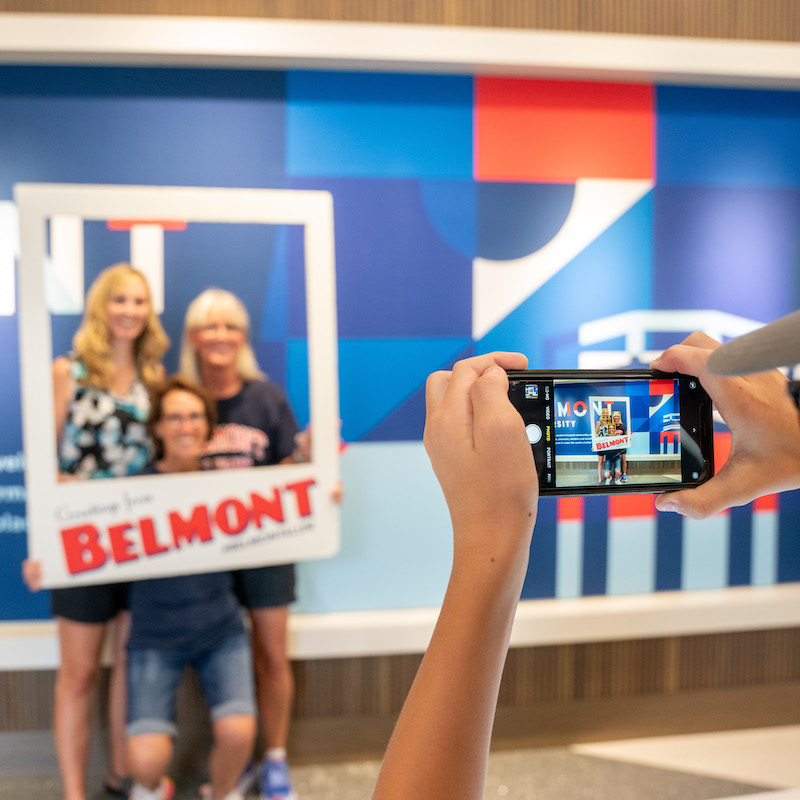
x: 602, y: 443
x: 99, y: 531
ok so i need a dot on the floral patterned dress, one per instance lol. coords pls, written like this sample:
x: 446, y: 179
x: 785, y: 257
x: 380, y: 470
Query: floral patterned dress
x: 105, y: 436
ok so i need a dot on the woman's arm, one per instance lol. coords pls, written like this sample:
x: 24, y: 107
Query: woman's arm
x: 482, y: 458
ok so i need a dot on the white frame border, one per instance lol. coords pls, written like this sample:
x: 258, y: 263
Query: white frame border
x: 46, y: 495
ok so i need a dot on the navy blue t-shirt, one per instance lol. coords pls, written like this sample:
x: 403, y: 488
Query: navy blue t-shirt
x: 185, y: 612
x: 255, y: 428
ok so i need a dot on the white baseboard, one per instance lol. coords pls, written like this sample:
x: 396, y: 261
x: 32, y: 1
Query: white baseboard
x: 34, y: 645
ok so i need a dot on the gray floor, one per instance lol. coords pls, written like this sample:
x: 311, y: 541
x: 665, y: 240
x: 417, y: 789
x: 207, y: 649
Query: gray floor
x: 28, y: 770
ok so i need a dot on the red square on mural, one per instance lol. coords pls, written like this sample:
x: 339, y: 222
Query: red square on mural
x: 559, y: 131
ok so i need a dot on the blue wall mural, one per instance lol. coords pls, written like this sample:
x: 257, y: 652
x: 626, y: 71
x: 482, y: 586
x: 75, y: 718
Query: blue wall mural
x: 470, y: 214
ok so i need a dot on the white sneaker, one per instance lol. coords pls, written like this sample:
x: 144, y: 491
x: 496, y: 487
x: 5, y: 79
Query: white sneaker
x: 165, y: 791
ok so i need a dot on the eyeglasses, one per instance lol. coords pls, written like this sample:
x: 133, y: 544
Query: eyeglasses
x: 794, y: 392
x: 177, y: 419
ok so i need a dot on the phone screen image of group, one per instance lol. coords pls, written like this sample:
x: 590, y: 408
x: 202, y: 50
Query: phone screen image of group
x: 627, y: 433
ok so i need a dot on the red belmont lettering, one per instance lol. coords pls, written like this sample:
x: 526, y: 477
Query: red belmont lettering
x: 240, y: 517
x: 266, y: 507
x: 88, y: 548
x: 301, y: 493
x: 149, y: 540
x: 197, y: 526
x: 120, y: 545
x: 82, y: 549
x: 272, y: 507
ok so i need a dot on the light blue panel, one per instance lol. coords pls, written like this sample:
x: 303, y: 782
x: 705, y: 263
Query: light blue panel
x: 397, y: 544
x: 764, y: 565
x: 631, y: 556
x: 378, y: 125
x: 705, y: 553
x: 569, y: 558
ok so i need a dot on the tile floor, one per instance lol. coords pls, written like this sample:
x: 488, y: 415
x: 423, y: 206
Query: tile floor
x: 760, y: 764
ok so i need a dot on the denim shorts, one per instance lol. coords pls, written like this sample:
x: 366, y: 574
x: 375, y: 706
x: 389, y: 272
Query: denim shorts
x: 225, y: 673
x: 612, y: 463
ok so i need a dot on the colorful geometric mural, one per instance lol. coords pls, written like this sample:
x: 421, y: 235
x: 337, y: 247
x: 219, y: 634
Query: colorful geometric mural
x: 559, y: 218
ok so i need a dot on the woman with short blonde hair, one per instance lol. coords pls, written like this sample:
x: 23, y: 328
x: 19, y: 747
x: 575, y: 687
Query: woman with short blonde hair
x: 231, y: 308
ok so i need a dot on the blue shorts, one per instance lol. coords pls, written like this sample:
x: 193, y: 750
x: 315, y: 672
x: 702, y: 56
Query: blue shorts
x: 225, y: 673
x: 612, y: 463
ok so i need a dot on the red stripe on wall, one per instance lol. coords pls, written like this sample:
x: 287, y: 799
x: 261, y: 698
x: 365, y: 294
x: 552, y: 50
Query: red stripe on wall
x: 570, y: 509
x: 767, y: 503
x: 127, y: 224
x: 631, y: 505
x: 722, y: 449
x: 662, y: 387
x: 559, y: 131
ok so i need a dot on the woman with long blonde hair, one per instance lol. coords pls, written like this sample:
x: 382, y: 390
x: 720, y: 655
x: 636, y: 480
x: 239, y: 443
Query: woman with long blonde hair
x: 101, y: 401
x: 602, y: 428
x: 101, y: 388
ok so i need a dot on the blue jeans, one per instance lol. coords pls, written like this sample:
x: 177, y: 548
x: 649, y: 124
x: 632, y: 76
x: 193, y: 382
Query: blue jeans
x: 225, y: 673
x: 611, y: 464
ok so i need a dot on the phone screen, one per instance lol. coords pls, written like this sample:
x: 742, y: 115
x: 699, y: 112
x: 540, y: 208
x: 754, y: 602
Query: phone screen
x: 615, y: 431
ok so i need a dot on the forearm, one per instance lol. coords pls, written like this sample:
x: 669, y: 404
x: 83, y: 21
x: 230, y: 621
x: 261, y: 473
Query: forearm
x: 440, y: 746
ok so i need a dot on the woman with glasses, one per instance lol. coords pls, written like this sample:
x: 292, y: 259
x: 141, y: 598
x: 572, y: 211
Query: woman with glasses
x: 188, y: 620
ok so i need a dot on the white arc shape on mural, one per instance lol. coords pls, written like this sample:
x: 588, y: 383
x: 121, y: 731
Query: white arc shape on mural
x: 498, y: 287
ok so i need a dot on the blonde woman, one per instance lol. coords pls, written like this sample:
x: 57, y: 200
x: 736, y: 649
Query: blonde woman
x: 256, y: 427
x: 101, y: 408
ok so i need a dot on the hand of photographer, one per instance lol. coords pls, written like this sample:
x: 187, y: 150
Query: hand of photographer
x: 765, y: 433
x: 481, y: 456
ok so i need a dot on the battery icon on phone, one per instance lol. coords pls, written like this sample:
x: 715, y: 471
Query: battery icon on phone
x: 531, y: 391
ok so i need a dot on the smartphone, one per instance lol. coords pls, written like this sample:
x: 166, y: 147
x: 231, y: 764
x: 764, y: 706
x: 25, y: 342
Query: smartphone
x: 615, y: 431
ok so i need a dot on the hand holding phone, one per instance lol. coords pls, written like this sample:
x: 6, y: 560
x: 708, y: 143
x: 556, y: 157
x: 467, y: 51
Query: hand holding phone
x: 765, y: 436
x: 615, y: 431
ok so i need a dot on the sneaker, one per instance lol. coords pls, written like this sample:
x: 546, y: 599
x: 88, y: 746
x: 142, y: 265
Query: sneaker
x: 165, y: 791
x: 275, y: 781
x: 624, y: 478
x: 608, y: 481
